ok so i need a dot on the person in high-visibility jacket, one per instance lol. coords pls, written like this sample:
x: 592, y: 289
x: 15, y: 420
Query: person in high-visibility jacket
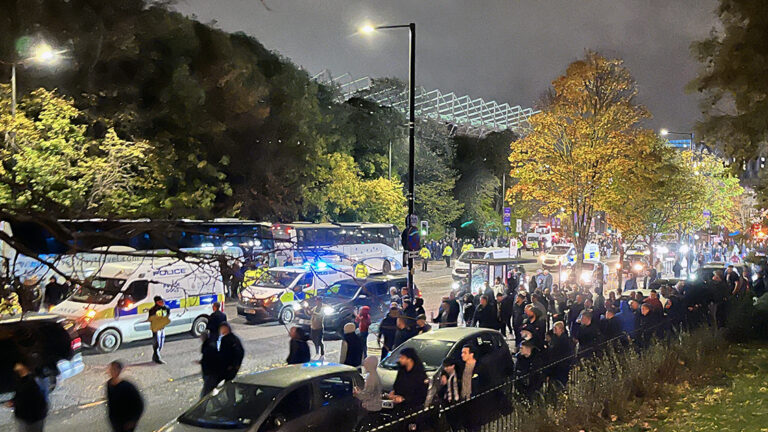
x: 466, y: 246
x: 361, y: 271
x: 447, y: 253
x: 425, y: 255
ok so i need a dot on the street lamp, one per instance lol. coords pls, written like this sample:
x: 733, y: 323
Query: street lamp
x: 665, y: 132
x: 370, y: 29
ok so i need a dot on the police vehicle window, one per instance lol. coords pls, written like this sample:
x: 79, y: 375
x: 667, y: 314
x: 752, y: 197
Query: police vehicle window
x: 306, y: 280
x: 377, y: 289
x: 137, y: 290
x: 296, y: 404
x: 335, y: 388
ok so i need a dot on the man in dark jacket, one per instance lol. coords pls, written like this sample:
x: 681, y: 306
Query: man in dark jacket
x: 485, y: 315
x: 214, y: 321
x: 124, y: 402
x: 518, y: 316
x: 534, y: 324
x: 29, y: 404
x: 231, y: 352
x: 574, y: 311
x: 453, y: 313
x: 54, y: 292
x: 409, y: 392
x: 610, y: 327
x: 528, y: 374
x: 588, y: 336
x: 560, y: 352
x: 506, y: 305
x: 209, y: 364
x: 404, y: 331
x: 298, y: 349
x: 388, y: 330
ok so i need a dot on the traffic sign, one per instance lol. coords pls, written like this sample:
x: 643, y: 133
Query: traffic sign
x: 519, y: 226
x: 507, y: 216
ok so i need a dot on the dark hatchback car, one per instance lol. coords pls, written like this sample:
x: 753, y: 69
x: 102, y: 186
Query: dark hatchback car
x: 309, y: 397
x: 47, y: 341
x: 344, y: 298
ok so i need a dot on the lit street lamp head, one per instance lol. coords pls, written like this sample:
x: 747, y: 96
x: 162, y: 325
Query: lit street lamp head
x: 664, y: 132
x: 43, y: 53
x: 367, y: 29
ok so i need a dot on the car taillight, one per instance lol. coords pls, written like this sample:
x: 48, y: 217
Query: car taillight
x: 76, y: 343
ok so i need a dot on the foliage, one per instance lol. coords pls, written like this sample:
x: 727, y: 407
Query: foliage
x: 339, y: 193
x: 578, y: 141
x: 437, y: 204
x: 60, y: 166
x: 732, y: 80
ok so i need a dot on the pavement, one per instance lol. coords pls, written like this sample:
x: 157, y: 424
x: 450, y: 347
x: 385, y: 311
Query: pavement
x: 78, y: 404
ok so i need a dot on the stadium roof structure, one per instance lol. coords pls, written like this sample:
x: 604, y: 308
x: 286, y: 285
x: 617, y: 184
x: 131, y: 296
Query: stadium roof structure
x: 466, y: 115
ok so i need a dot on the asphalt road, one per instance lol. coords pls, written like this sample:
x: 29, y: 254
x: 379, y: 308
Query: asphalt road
x: 78, y: 403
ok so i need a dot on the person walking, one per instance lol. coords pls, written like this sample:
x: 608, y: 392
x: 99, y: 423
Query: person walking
x: 30, y: 407
x: 209, y: 364
x: 388, y: 330
x: 214, y: 321
x: 370, y: 395
x: 158, y: 317
x: 298, y: 349
x: 506, y: 311
x: 409, y: 392
x: 425, y: 255
x: 447, y: 254
x: 316, y: 327
x: 351, y: 347
x: 363, y: 320
x: 54, y: 293
x: 230, y: 351
x: 124, y: 402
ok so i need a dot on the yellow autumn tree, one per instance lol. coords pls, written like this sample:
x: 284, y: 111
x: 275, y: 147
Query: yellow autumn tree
x: 579, y: 140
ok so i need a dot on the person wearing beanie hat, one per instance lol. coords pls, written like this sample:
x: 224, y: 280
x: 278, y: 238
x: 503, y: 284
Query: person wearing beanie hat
x: 351, y: 347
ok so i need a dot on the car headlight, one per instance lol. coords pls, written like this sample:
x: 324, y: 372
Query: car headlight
x: 328, y: 310
x: 455, y: 285
x: 270, y: 300
x: 638, y: 267
x: 684, y: 249
x: 586, y: 276
x: 692, y: 276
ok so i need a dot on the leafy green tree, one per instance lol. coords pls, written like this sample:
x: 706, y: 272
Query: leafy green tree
x: 732, y: 80
x: 60, y: 166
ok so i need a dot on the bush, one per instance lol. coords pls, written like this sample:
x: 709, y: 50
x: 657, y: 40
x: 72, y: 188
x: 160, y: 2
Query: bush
x: 616, y: 385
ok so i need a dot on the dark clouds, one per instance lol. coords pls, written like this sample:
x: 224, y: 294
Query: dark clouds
x: 506, y: 50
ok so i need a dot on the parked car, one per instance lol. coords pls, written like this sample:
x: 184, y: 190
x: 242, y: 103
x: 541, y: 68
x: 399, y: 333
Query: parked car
x: 344, y: 298
x: 312, y: 396
x: 434, y: 346
x: 48, y: 341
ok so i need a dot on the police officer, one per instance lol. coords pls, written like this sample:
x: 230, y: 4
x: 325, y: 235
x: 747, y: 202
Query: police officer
x: 447, y: 253
x: 425, y: 255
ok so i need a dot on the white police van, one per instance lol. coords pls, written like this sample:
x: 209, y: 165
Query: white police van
x: 111, y: 306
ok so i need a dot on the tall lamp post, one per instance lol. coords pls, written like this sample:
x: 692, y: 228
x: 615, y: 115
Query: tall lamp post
x: 665, y: 132
x: 42, y: 53
x: 369, y: 29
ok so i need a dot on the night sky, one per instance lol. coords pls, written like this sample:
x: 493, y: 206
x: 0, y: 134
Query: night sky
x: 503, y: 50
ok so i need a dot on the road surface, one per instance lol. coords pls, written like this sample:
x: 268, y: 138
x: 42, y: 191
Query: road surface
x: 78, y: 403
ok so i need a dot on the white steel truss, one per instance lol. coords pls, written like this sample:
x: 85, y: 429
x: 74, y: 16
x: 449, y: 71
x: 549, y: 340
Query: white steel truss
x: 467, y: 115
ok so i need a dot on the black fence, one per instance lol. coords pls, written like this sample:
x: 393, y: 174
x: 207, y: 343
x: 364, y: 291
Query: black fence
x: 502, y: 407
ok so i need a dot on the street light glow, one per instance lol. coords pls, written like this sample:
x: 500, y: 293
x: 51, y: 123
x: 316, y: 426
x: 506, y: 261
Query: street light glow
x: 664, y: 132
x: 367, y: 29
x: 43, y: 53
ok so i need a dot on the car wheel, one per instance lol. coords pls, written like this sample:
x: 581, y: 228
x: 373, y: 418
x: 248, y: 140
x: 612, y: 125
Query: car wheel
x: 386, y: 267
x: 199, y: 326
x: 287, y: 315
x: 109, y: 341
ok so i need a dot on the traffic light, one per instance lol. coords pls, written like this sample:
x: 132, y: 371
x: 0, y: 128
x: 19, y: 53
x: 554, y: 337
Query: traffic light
x: 424, y: 228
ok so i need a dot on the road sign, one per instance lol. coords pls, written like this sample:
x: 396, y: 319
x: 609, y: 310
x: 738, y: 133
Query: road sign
x: 413, y: 254
x: 507, y: 216
x: 519, y: 226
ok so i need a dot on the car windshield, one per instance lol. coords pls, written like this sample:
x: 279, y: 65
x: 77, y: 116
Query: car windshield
x: 278, y: 278
x: 559, y: 250
x: 233, y: 405
x: 98, y: 291
x: 470, y: 255
x: 342, y: 289
x: 431, y: 352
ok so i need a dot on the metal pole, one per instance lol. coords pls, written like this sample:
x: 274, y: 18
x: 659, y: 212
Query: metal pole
x: 411, y: 142
x: 390, y: 159
x: 13, y: 91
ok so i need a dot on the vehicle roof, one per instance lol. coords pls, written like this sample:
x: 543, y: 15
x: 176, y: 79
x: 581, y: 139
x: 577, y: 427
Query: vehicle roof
x: 500, y: 261
x: 35, y: 317
x: 487, y: 249
x: 287, y: 376
x: 113, y: 269
x: 453, y: 334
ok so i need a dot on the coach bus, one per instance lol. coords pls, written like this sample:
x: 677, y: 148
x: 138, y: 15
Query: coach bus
x: 375, y: 245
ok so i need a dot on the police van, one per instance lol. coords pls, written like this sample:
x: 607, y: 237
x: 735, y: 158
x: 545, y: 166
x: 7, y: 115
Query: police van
x: 278, y: 293
x: 111, y: 306
x: 565, y: 255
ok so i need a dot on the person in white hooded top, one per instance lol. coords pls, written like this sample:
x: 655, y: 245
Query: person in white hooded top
x: 370, y: 394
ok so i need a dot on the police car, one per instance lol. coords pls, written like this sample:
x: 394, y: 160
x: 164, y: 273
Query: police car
x: 279, y: 291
